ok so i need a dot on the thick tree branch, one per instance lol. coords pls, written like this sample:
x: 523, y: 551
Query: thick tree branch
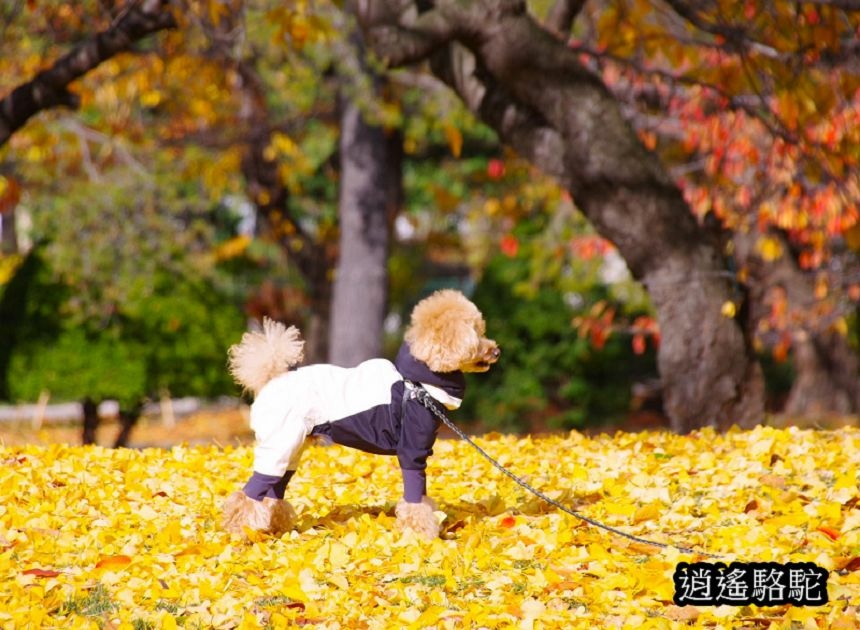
x: 410, y: 41
x: 517, y: 124
x: 535, y: 92
x: 562, y: 15
x: 49, y: 88
x: 736, y: 36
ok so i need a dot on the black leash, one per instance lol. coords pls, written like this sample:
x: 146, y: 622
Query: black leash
x: 418, y: 393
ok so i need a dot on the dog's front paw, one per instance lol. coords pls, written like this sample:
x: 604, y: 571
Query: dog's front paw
x: 271, y: 516
x: 419, y: 517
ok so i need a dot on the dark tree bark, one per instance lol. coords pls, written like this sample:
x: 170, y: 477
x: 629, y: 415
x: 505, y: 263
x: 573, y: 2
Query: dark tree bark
x: 826, y: 376
x: 9, y: 238
x: 562, y: 15
x: 369, y: 195
x: 368, y: 199
x: 827, y: 369
x: 91, y: 421
x: 528, y: 86
x: 128, y: 418
x: 49, y: 88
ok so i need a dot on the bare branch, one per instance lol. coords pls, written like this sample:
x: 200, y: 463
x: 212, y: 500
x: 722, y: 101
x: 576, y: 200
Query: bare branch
x: 737, y: 37
x: 749, y: 104
x: 49, y: 88
x: 410, y: 40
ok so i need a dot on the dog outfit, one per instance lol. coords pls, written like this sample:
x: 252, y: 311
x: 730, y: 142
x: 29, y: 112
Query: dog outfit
x: 361, y: 407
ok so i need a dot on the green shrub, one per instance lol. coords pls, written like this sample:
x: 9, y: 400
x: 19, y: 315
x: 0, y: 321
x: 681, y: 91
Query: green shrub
x: 547, y: 375
x: 174, y: 337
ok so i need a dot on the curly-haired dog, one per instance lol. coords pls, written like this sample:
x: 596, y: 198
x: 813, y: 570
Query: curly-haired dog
x: 362, y: 407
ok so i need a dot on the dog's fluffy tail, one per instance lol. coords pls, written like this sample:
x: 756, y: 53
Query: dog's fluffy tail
x: 261, y: 356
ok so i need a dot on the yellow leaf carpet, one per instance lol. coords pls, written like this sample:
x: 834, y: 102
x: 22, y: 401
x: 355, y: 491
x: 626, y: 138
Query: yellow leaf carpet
x: 99, y: 538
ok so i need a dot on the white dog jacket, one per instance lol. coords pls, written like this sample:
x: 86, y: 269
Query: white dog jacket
x: 360, y: 407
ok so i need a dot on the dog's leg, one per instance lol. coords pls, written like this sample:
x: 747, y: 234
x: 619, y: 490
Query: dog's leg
x: 273, y: 516
x: 419, y: 517
x: 260, y: 505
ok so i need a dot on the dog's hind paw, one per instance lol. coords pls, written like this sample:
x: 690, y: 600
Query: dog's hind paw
x: 272, y: 516
x: 419, y: 517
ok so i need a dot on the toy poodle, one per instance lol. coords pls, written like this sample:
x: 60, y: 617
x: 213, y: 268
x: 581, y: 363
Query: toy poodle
x: 365, y: 407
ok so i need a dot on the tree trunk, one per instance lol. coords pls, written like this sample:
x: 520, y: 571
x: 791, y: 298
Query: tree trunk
x: 826, y: 380
x: 91, y: 421
x: 533, y: 90
x: 128, y: 418
x: 9, y: 238
x: 316, y: 333
x: 370, y: 181
x: 827, y: 369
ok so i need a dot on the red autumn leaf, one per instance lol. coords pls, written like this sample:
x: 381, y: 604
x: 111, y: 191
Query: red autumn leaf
x: 495, y: 169
x: 639, y: 344
x: 113, y: 562
x: 508, y: 521
x: 830, y: 532
x: 780, y: 352
x: 41, y: 572
x: 599, y: 337
x: 852, y: 565
x: 510, y: 245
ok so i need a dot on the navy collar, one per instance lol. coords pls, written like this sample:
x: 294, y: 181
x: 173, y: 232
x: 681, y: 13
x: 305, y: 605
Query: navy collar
x: 453, y: 383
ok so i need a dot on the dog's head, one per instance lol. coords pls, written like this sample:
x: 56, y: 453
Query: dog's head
x: 447, y: 333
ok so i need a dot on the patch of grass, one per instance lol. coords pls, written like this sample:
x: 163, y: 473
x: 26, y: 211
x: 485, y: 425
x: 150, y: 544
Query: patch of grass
x: 171, y: 607
x: 426, y: 580
x: 94, y: 604
x: 469, y: 584
x: 174, y: 608
x: 276, y: 600
x: 527, y: 564
x: 573, y: 603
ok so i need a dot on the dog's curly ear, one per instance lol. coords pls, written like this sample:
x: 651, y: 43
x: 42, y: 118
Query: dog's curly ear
x: 445, y: 331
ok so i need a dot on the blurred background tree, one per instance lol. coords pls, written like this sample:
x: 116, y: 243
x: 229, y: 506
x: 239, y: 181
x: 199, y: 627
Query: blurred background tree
x: 125, y: 296
x: 210, y: 132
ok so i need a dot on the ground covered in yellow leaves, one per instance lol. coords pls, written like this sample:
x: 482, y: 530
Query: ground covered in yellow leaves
x: 91, y: 537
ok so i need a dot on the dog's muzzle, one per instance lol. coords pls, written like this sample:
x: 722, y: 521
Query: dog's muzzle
x: 489, y: 354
